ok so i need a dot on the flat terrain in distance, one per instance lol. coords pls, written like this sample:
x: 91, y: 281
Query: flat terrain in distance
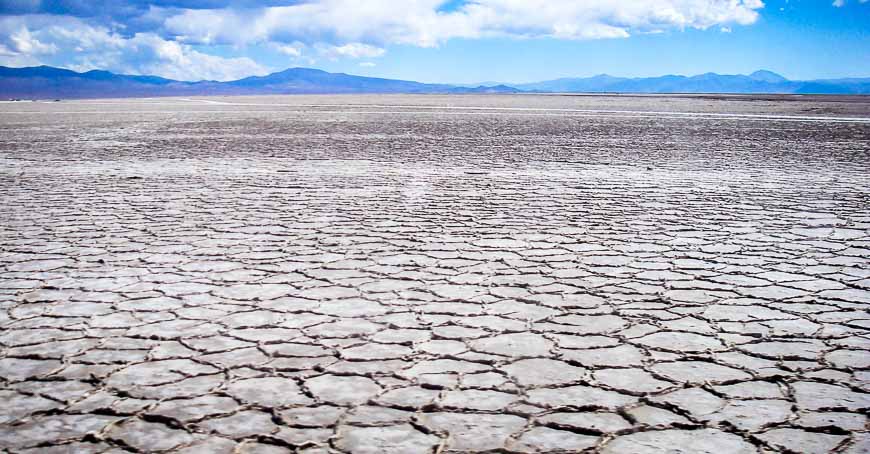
x: 408, y: 274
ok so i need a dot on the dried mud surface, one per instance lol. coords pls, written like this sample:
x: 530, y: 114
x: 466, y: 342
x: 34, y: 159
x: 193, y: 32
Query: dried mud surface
x: 435, y: 274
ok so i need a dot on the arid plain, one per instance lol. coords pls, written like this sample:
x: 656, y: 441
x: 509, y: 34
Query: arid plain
x: 409, y: 274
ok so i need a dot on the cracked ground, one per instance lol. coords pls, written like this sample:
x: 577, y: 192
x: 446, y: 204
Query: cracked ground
x: 418, y: 274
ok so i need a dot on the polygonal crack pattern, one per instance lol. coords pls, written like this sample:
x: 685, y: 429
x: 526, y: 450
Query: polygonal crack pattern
x: 188, y: 277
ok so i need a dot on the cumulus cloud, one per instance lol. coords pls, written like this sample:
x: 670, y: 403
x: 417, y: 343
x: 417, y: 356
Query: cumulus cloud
x: 22, y: 41
x: 152, y: 54
x: 72, y: 43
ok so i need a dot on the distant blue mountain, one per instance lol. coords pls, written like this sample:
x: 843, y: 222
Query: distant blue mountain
x: 49, y: 73
x: 306, y: 80
x: 46, y: 82
x: 757, y: 82
x: 763, y: 75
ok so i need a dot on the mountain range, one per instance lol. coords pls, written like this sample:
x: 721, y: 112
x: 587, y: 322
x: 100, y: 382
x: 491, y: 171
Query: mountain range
x: 758, y: 82
x: 43, y: 82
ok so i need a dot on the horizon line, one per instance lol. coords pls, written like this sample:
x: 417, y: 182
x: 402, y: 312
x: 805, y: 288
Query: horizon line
x: 488, y: 83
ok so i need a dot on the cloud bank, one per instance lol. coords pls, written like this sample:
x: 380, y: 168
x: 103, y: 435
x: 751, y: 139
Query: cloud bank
x: 178, y: 39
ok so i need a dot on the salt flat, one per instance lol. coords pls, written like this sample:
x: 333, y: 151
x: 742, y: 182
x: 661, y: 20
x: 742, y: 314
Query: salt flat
x: 420, y: 273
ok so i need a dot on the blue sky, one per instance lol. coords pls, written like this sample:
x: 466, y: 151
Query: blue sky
x: 455, y: 41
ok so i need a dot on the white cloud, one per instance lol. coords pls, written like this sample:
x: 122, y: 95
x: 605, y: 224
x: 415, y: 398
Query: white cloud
x: 368, y: 64
x: 840, y: 3
x: 352, y: 50
x: 23, y: 42
x: 74, y: 44
x: 154, y: 55
x: 292, y: 50
x: 421, y: 23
